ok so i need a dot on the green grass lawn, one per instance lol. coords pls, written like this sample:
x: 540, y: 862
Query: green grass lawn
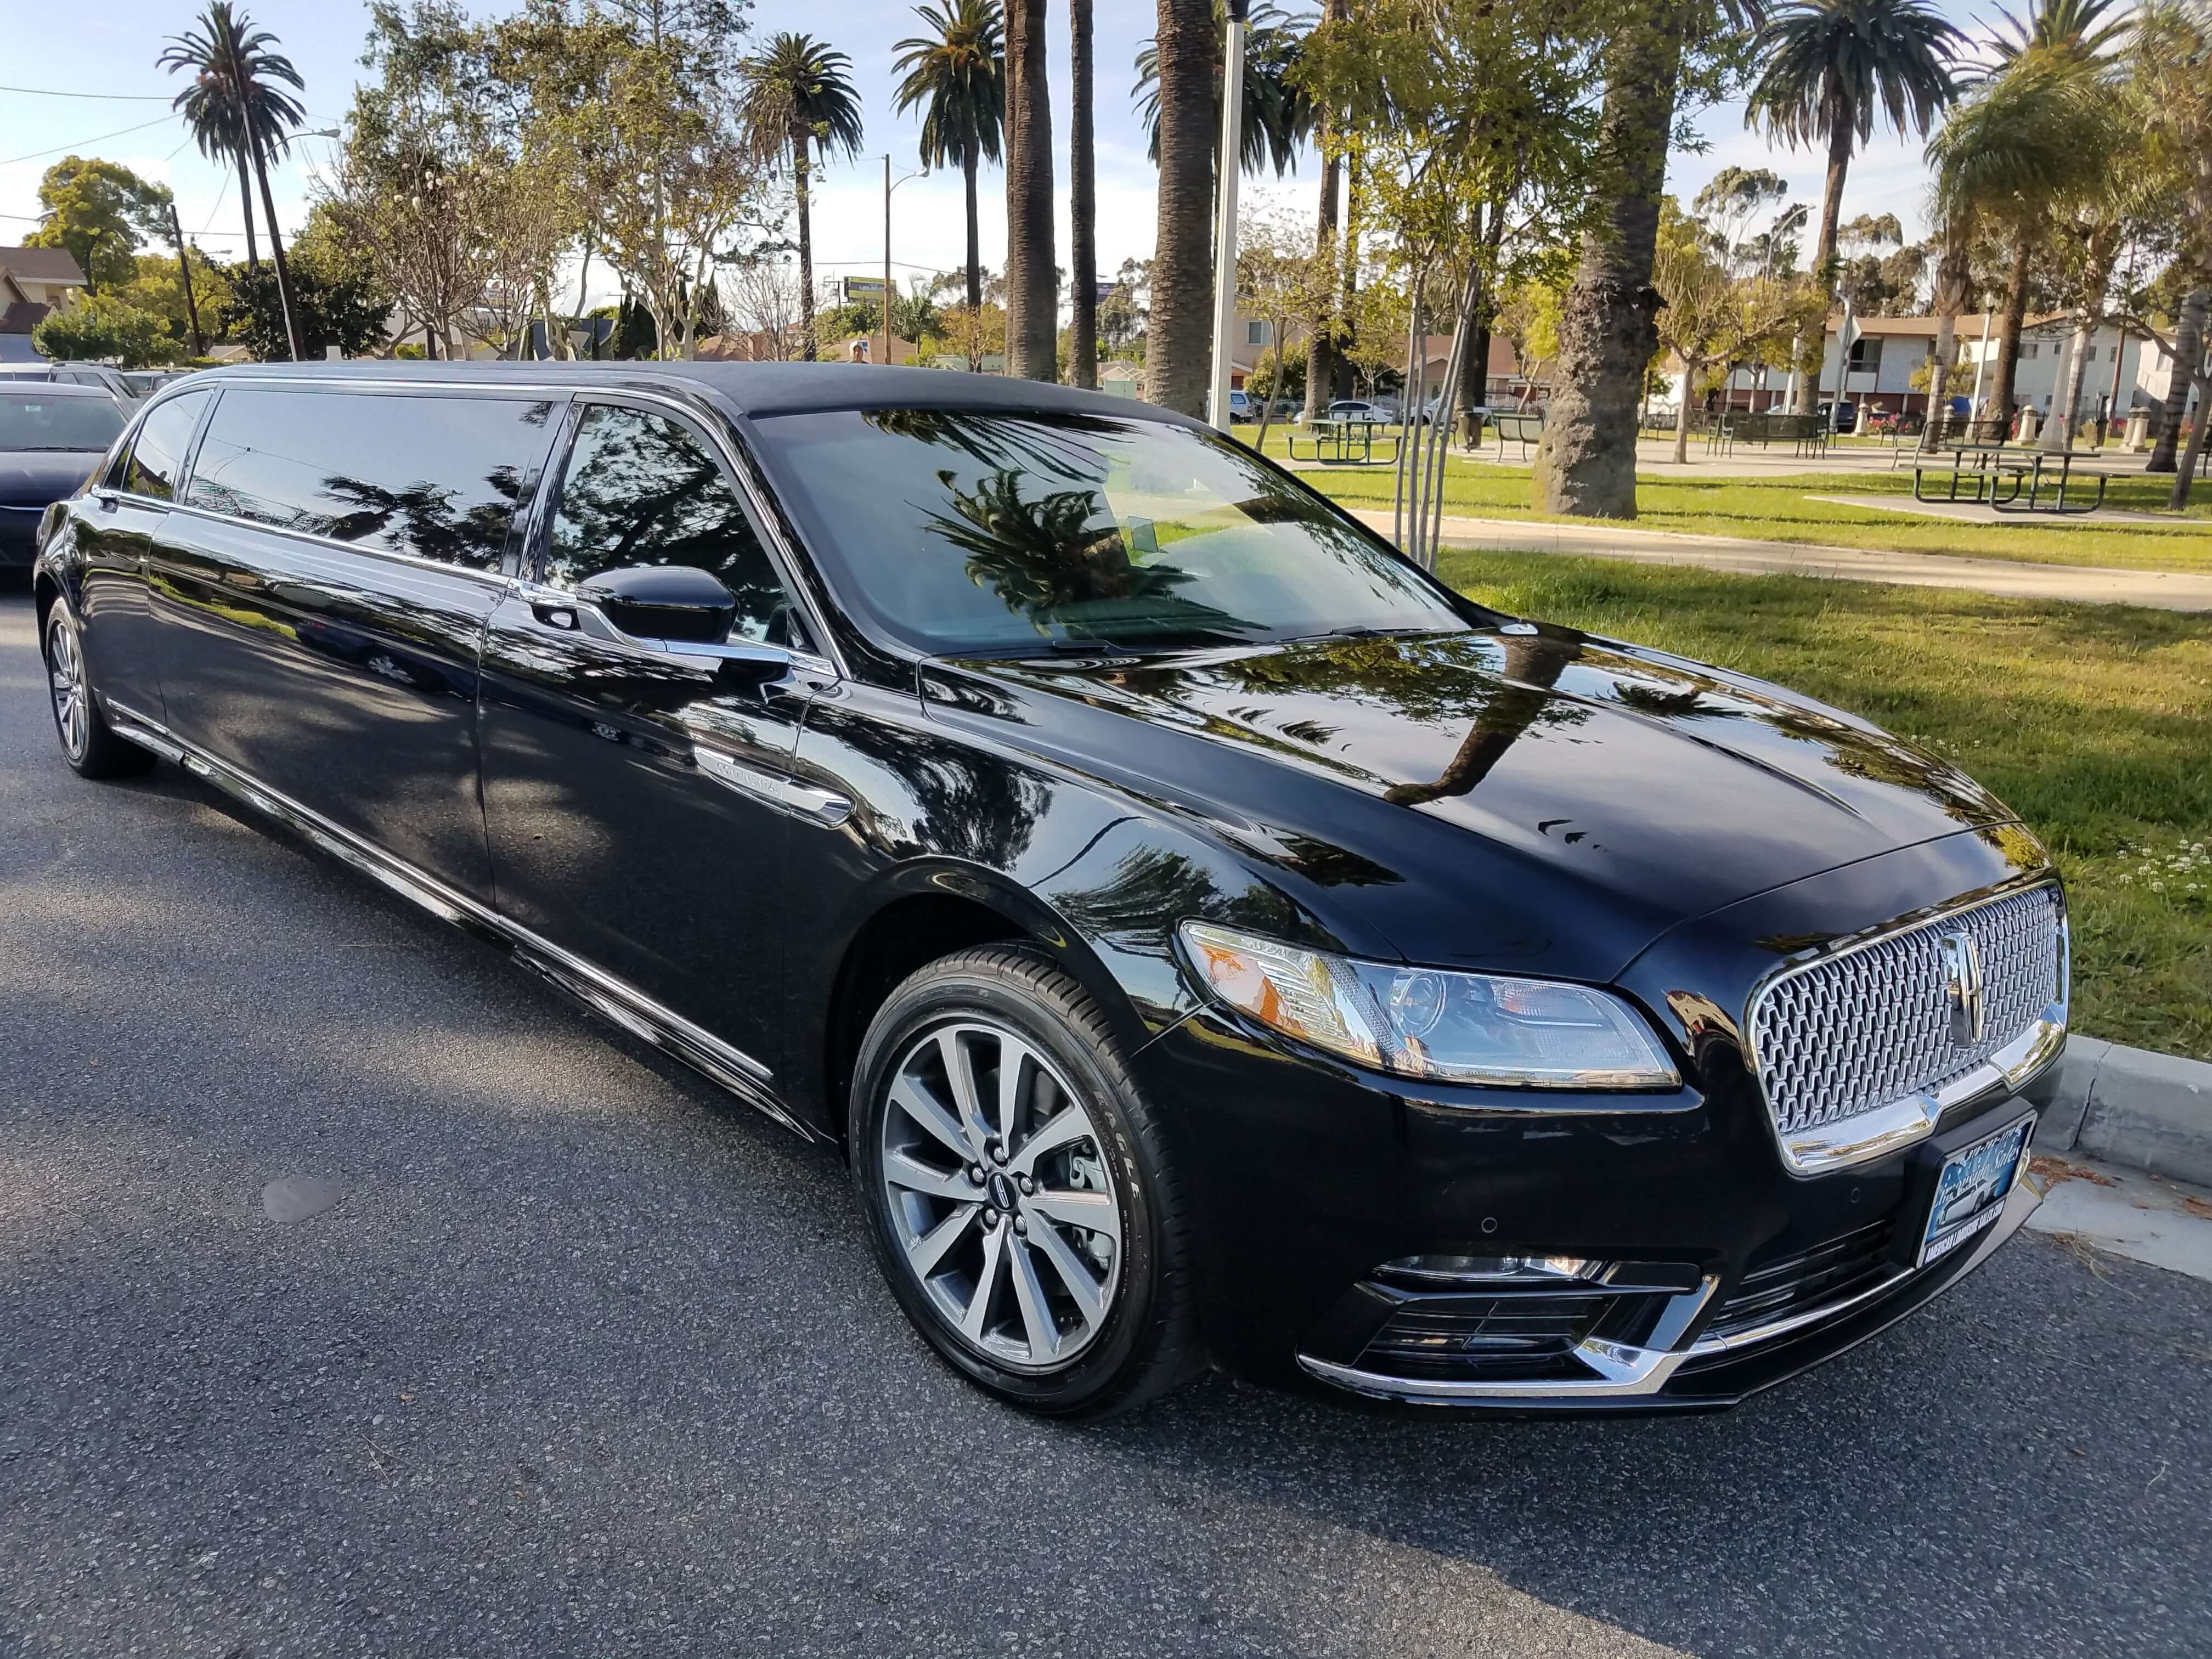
x: 2094, y: 722
x: 1780, y: 509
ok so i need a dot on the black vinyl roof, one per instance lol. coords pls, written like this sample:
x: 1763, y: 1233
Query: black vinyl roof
x: 762, y: 389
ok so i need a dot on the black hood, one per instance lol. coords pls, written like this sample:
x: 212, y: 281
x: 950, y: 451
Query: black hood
x: 1526, y: 797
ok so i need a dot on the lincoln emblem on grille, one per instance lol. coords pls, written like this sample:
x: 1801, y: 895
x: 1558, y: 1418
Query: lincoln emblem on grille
x: 1962, y: 985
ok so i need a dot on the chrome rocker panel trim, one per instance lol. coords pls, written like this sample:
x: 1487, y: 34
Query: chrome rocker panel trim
x: 1643, y: 1374
x: 613, y: 999
x: 1912, y: 1118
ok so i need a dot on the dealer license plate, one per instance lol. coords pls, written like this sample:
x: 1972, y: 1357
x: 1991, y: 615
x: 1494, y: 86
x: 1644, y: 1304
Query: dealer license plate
x: 1972, y: 1188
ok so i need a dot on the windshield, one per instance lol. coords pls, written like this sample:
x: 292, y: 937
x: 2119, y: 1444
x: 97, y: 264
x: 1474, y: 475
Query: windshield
x: 965, y: 531
x: 40, y: 420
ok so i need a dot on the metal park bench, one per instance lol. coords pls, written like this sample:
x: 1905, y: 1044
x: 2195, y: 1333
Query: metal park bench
x: 1808, y: 433
x: 1517, y: 428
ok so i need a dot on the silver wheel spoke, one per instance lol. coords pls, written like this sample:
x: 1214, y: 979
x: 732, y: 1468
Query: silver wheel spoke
x: 915, y: 1101
x: 1095, y: 1212
x: 926, y: 1253
x: 1036, y: 1314
x: 1017, y: 1067
x: 1087, y: 1293
x: 986, y: 1285
x: 1071, y: 1124
x: 960, y: 1072
x: 904, y: 1169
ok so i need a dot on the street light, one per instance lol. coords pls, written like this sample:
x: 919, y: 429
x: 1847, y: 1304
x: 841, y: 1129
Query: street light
x: 891, y: 184
x: 1224, y: 234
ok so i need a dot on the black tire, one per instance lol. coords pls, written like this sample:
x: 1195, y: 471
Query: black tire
x: 89, y: 744
x: 1146, y: 1342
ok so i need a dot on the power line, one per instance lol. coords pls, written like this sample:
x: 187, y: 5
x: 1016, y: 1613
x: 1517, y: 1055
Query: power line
x: 40, y: 154
x: 119, y: 97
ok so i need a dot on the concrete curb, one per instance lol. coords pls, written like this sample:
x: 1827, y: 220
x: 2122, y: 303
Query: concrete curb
x: 2146, y: 1111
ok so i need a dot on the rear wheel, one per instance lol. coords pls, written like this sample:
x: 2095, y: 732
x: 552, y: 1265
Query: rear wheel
x: 1018, y: 1194
x: 90, y: 745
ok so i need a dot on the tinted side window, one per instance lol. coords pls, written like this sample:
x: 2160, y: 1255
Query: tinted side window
x: 438, y: 477
x: 641, y: 488
x: 157, y: 458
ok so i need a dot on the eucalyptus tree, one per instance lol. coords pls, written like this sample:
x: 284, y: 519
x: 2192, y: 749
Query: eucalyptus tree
x: 236, y: 106
x: 798, y: 97
x: 955, y: 75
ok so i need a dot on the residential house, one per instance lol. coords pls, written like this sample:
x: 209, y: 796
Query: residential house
x: 33, y: 282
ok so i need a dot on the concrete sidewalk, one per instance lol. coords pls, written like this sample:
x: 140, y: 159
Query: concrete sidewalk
x: 2089, y: 585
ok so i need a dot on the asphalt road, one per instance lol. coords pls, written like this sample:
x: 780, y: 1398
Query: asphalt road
x: 588, y: 1359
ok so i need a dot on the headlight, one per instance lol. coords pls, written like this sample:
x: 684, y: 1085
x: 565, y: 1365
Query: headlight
x: 1427, y: 1022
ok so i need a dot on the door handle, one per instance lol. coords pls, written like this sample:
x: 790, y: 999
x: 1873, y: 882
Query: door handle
x: 555, y: 613
x: 822, y: 806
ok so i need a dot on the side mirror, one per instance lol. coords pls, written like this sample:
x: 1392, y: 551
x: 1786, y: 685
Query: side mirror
x: 663, y: 602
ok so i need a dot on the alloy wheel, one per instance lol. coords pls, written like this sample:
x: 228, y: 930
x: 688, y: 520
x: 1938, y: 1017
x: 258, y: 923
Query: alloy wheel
x: 65, y: 674
x: 1001, y: 1196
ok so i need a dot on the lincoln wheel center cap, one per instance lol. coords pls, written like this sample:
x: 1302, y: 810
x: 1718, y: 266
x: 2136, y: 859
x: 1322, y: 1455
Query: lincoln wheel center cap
x: 1001, y: 1191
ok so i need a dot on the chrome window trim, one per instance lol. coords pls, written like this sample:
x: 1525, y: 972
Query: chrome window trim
x: 1906, y: 1121
x: 497, y: 579
x: 616, y: 1000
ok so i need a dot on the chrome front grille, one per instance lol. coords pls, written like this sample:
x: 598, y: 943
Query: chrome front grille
x: 1872, y: 1026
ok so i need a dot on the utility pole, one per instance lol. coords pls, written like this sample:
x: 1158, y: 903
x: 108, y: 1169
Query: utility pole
x: 1225, y: 188
x: 185, y: 268
x: 887, y: 259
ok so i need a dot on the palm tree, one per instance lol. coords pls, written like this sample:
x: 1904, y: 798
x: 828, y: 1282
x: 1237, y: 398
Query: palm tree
x: 234, y: 107
x: 1276, y: 114
x: 1179, y: 334
x: 956, y: 76
x: 1082, y: 204
x: 2028, y: 132
x: 1320, y: 348
x: 1032, y: 281
x: 1586, y: 464
x: 1830, y: 65
x: 798, y: 97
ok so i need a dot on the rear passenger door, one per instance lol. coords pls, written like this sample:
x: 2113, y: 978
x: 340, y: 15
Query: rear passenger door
x: 322, y: 600
x: 117, y: 526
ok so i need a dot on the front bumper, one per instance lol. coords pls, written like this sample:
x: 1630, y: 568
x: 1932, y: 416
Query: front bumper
x: 1306, y: 1178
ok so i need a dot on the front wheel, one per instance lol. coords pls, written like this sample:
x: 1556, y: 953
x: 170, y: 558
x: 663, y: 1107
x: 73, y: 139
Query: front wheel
x: 1019, y: 1195
x: 88, y: 745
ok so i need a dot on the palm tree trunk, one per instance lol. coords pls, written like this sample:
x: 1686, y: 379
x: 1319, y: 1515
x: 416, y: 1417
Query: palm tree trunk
x: 1832, y: 203
x: 2016, y: 316
x: 2178, y: 498
x: 2188, y: 356
x: 276, y: 257
x: 245, y: 201
x: 2066, y: 401
x: 1586, y: 464
x: 1952, y: 280
x: 800, y: 141
x: 1032, y: 284
x: 1082, y: 205
x: 974, y: 254
x: 1176, y: 367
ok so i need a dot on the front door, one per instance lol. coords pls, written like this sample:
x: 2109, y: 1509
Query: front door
x: 640, y: 805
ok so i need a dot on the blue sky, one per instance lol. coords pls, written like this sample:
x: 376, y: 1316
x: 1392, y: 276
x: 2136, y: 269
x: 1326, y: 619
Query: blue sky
x: 109, y: 48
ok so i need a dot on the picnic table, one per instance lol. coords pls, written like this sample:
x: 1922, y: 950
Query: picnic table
x: 1335, y: 440
x: 2001, y: 473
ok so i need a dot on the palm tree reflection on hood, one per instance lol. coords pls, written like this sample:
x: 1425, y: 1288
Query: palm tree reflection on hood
x: 1533, y: 665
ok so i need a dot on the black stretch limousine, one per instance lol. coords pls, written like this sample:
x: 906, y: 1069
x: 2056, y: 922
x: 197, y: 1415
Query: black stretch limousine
x: 1204, y: 934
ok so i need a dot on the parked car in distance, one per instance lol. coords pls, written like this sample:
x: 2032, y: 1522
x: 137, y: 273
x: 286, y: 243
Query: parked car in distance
x: 51, y: 437
x: 1362, y: 409
x: 110, y: 381
x: 1204, y: 933
x: 1242, y: 407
